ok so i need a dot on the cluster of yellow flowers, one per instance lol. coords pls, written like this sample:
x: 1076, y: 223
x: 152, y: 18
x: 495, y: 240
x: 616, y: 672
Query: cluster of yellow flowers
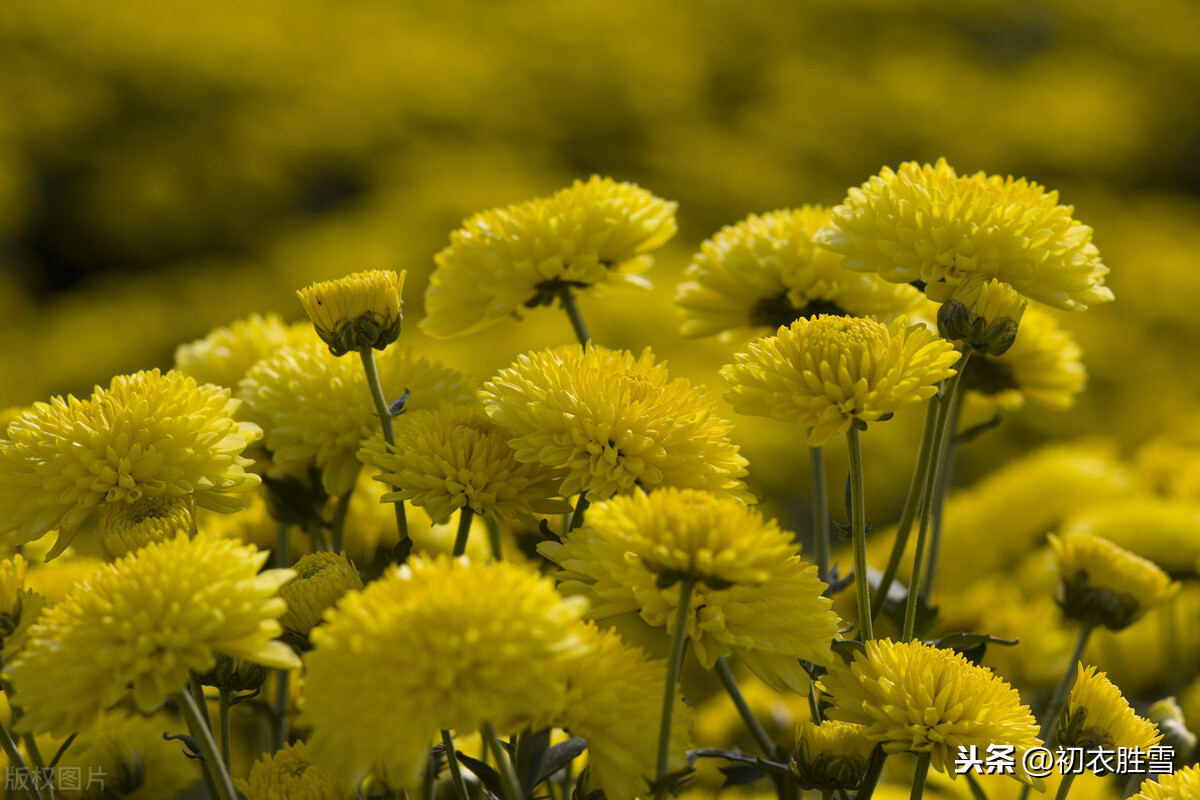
x: 503, y: 602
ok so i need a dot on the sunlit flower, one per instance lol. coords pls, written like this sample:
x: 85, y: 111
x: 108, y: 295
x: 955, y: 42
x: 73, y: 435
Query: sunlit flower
x: 289, y: 774
x: 457, y: 457
x: 929, y: 224
x: 983, y: 314
x: 614, y: 421
x: 1183, y: 784
x: 358, y: 311
x: 142, y: 623
x: 440, y: 644
x: 321, y: 579
x: 225, y: 355
x: 124, y: 527
x: 1103, y: 584
x: 831, y: 756
x: 1097, y: 715
x: 316, y: 409
x: 915, y: 697
x: 148, y: 435
x: 765, y: 272
x: 828, y: 373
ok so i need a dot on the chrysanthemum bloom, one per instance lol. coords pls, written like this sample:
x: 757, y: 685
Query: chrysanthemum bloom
x: 1167, y: 715
x: 142, y: 623
x: 225, y: 355
x: 1183, y: 784
x: 316, y: 409
x: 148, y: 435
x: 355, y: 312
x: 613, y: 421
x: 442, y: 644
x: 926, y: 223
x: 916, y: 697
x: 1158, y: 529
x: 765, y: 272
x: 523, y: 256
x: 124, y: 527
x: 456, y: 457
x: 1097, y: 715
x: 829, y: 373
x: 321, y: 579
x: 1103, y: 584
x: 983, y: 315
x: 289, y: 774
x: 831, y: 756
x: 754, y: 598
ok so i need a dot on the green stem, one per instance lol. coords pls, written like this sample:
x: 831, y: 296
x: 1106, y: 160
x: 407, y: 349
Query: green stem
x: 464, y: 530
x: 820, y: 511
x: 202, y: 733
x: 679, y: 638
x: 18, y: 761
x: 198, y: 697
x: 922, y: 772
x: 858, y: 533
x: 945, y: 478
x: 338, y: 526
x: 224, y: 696
x: 581, y: 506
x: 493, y: 529
x: 949, y: 390
x: 281, y: 548
x: 1064, y: 685
x: 279, y: 710
x: 385, y: 423
x: 874, y: 770
x: 1065, y: 786
x: 456, y: 776
x: 508, y: 775
x: 567, y: 299
x: 752, y: 724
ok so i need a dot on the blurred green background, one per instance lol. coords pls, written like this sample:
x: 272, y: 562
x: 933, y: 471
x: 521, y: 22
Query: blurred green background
x: 167, y: 167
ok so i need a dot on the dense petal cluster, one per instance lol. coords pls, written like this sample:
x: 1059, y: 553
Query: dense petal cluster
x: 355, y: 312
x: 614, y: 421
x: 927, y: 223
x: 916, y: 697
x: 321, y: 579
x: 144, y: 621
x: 828, y: 372
x: 456, y: 457
x: 1103, y: 584
x: 831, y: 756
x: 441, y: 644
x: 1096, y: 714
x: 594, y: 232
x: 289, y: 774
x: 124, y: 527
x: 1184, y: 784
x: 766, y: 271
x: 150, y: 434
x: 225, y: 355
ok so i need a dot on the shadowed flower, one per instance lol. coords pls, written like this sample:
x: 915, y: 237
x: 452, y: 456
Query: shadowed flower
x: 613, y: 421
x: 831, y: 756
x: 829, y: 373
x: 1103, y: 584
x: 124, y: 527
x: 321, y: 579
x: 1097, y: 715
x: 1184, y: 784
x: 288, y: 774
x: 929, y: 224
x: 523, y: 256
x: 225, y: 355
x: 357, y: 311
x: 983, y: 315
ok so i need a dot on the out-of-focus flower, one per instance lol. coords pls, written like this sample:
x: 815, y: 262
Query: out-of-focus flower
x: 1169, y: 464
x: 983, y: 314
x: 765, y: 272
x: 613, y: 421
x: 321, y: 579
x: 441, y: 644
x: 1160, y: 530
x: 225, y: 355
x: 829, y: 373
x: 124, y: 527
x: 522, y: 256
x: 1183, y: 784
x: 831, y: 756
x: 357, y: 311
x: 1102, y: 584
x: 1097, y: 715
x: 927, y: 223
x: 19, y: 607
x: 456, y: 457
x: 142, y: 623
x: 289, y: 774
x: 1168, y: 717
x: 12, y: 585
x: 148, y: 435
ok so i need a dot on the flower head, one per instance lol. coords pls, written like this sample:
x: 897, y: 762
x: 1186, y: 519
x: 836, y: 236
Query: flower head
x: 456, y: 457
x: 441, y: 644
x: 147, y: 435
x: 321, y: 579
x: 1103, y: 584
x: 983, y: 314
x: 289, y: 774
x: 142, y: 623
x: 225, y: 354
x: 829, y: 373
x: 12, y: 586
x: 522, y: 256
x: 831, y: 756
x: 916, y: 697
x: 355, y: 312
x: 124, y: 527
x: 1183, y: 784
x: 613, y: 421
x: 766, y: 271
x: 1097, y: 715
x: 929, y: 224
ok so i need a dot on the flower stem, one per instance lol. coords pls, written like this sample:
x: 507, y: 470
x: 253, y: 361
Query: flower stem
x: 874, y: 770
x: 339, y: 522
x: 464, y: 530
x: 918, y: 787
x: 1065, y: 786
x: 198, y: 696
x: 1064, y: 685
x: 931, y: 479
x: 508, y: 775
x: 281, y: 559
x: 858, y: 533
x: 456, y: 776
x: 567, y: 299
x: 674, y: 670
x: 820, y: 511
x: 201, y: 732
x: 493, y: 529
x: 581, y: 506
x: 223, y: 722
x: 385, y: 422
x: 945, y: 478
x: 279, y: 710
x: 17, y: 760
x: 752, y: 724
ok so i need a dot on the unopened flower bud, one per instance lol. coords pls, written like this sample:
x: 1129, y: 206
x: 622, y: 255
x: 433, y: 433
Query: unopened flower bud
x: 357, y: 311
x: 831, y: 756
x: 321, y: 579
x: 983, y: 315
x: 1103, y: 584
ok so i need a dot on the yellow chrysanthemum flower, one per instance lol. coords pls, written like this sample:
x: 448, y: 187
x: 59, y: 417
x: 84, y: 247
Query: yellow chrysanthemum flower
x: 7, y: 415
x: 289, y: 774
x: 147, y: 435
x: 1102, y: 584
x: 1169, y: 464
x: 124, y: 527
x: 1097, y: 715
x: 613, y: 421
x: 916, y: 697
x: 19, y: 607
x: 755, y: 598
x: 360, y: 310
x: 456, y: 457
x: 225, y: 355
x: 1160, y: 530
x: 983, y: 315
x: 316, y: 408
x: 501, y: 261
x: 828, y: 373
x: 12, y: 585
x: 1183, y: 784
x: 831, y: 756
x: 142, y: 623
x: 765, y: 272
x: 441, y: 644
x: 927, y: 223
x: 321, y: 579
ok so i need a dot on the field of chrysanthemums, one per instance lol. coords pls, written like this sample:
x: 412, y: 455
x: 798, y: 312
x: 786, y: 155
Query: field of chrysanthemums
x: 310, y: 487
